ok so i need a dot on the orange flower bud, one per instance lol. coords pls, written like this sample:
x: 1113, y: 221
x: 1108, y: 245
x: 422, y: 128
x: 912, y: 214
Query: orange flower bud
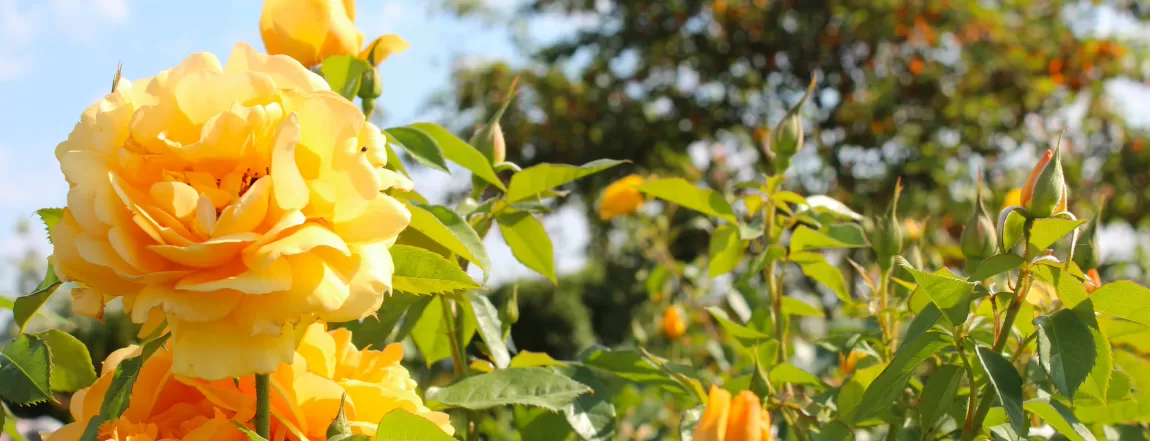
x: 674, y: 322
x: 1093, y: 281
x: 621, y: 198
x: 742, y: 419
x: 848, y: 363
x: 1045, y: 191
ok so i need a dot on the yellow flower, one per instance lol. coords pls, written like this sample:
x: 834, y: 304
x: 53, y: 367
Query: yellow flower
x: 621, y: 198
x: 1013, y: 198
x: 236, y: 202
x: 312, y: 30
x: 674, y: 324
x: 848, y: 363
x: 161, y: 407
x: 740, y: 420
x: 913, y: 229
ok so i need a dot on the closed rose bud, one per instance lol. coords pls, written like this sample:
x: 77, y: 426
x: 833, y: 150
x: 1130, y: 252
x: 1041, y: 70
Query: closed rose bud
x: 499, y: 145
x: 887, y: 236
x: 1045, y: 191
x: 369, y: 85
x: 979, y: 237
x: 674, y: 322
x: 787, y: 138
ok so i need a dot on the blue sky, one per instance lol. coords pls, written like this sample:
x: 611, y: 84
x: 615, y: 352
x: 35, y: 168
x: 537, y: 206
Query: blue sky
x: 58, y: 56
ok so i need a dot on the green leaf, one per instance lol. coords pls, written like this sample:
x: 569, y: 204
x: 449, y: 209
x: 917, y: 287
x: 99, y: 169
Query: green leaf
x: 1065, y: 350
x: 393, y: 161
x: 26, y: 306
x: 418, y: 271
x: 120, y: 391
x: 788, y: 373
x: 1045, y: 232
x: 72, y: 368
x: 462, y: 153
x: 421, y: 146
x: 921, y: 323
x: 890, y: 383
x: 451, y: 230
x: 401, y: 425
x: 252, y: 436
x: 725, y: 251
x: 1097, y: 384
x: 490, y: 328
x: 793, y: 306
x: 528, y: 241
x: 342, y: 73
x: 804, y: 238
x: 592, y: 415
x: 26, y: 371
x: 996, y: 265
x: 679, y: 191
x: 747, y: 337
x: 1123, y: 299
x: 430, y: 333
x: 851, y: 394
x: 835, y: 431
x: 632, y: 366
x: 375, y: 331
x: 760, y: 262
x: 1007, y: 384
x: 528, y: 386
x: 50, y: 217
x: 939, y: 394
x: 1060, y: 418
x: 1069, y: 289
x: 543, y: 177
x: 826, y: 204
x: 534, y: 359
x: 951, y: 295
x: 541, y: 424
x: 815, y: 266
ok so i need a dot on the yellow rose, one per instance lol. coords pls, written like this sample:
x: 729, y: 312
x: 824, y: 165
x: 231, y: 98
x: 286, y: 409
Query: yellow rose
x: 621, y: 198
x: 236, y: 202
x: 161, y: 407
x: 740, y: 420
x: 312, y: 30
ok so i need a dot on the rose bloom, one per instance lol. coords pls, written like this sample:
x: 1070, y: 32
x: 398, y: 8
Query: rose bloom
x: 305, y: 396
x: 235, y: 201
x: 621, y: 198
x: 312, y: 30
x: 742, y: 419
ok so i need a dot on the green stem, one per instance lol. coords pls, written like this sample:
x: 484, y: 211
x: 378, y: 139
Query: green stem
x: 263, y: 405
x: 884, y: 312
x: 456, y: 353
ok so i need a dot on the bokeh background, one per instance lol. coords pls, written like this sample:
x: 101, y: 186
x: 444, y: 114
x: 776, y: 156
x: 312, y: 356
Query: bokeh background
x: 935, y: 92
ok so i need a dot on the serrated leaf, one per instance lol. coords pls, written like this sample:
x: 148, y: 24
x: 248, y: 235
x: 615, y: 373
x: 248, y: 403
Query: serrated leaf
x: 591, y: 416
x: 1123, y: 299
x: 418, y: 271
x: 1060, y: 418
x: 529, y: 242
x: 850, y: 395
x: 401, y: 425
x: 430, y: 331
x: 793, y: 306
x: 996, y: 265
x: 420, y: 146
x: 886, y: 388
x: 1097, y: 383
x: 746, y: 337
x: 343, y: 72
x: 450, y: 230
x: 1045, y: 232
x: 679, y: 191
x: 951, y: 295
x: 540, y: 424
x: 72, y: 368
x: 804, y: 239
x: 725, y: 251
x: 26, y: 306
x: 939, y: 394
x: 534, y: 359
x: 50, y: 217
x: 543, y: 177
x: 460, y: 152
x: 789, y: 373
x: 1069, y: 289
x: 1065, y: 350
x: 632, y: 366
x: 527, y: 386
x: 490, y: 328
x: 1007, y: 384
x: 827, y: 204
x: 815, y: 266
x: 375, y: 331
x: 922, y: 322
x: 26, y: 371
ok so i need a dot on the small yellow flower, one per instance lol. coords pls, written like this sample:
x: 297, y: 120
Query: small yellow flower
x: 235, y: 201
x: 742, y: 419
x: 621, y: 198
x: 312, y: 30
x: 848, y: 363
x: 674, y: 322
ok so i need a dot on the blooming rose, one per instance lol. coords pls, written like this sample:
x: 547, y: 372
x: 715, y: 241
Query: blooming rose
x: 621, y: 198
x: 235, y: 201
x: 311, y: 30
x: 740, y: 420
